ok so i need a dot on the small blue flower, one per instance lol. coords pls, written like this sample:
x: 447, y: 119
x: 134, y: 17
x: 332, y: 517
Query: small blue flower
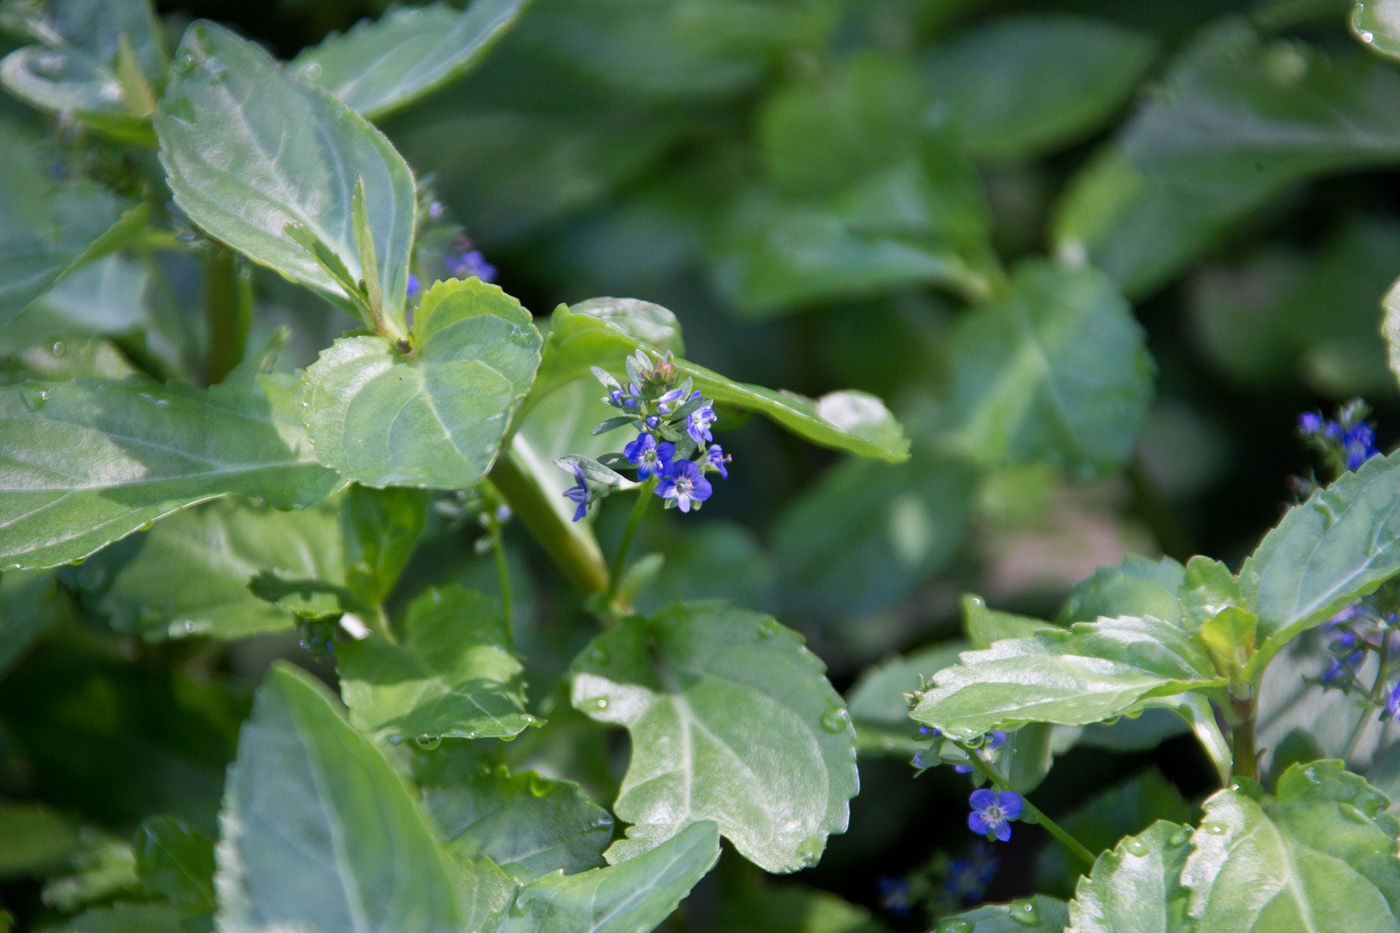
x: 435, y: 210
x: 698, y: 427
x: 918, y: 761
x: 663, y: 404
x: 926, y: 732
x: 1392, y: 702
x: 992, y: 813
x: 1360, y: 443
x: 1340, y: 666
x: 652, y: 459
x: 470, y: 263
x: 715, y: 455
x: 684, y: 483
x: 652, y: 421
x: 994, y: 741
x: 414, y: 286
x: 578, y: 494
x: 895, y: 895
x: 1309, y: 423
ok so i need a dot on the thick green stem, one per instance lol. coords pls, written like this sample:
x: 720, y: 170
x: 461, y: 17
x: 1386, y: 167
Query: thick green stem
x: 1242, y: 746
x: 639, y: 511
x: 578, y: 556
x: 990, y: 771
x: 228, y: 313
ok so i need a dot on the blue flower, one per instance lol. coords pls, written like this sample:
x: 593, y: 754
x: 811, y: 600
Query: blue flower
x: 926, y: 732
x: 698, y: 427
x: 992, y: 813
x: 993, y: 742
x: 470, y: 263
x: 895, y: 895
x: 578, y: 494
x: 684, y: 484
x: 1309, y: 423
x: 663, y: 404
x: 1340, y: 666
x: 1392, y: 702
x: 652, y: 459
x: 1360, y: 443
x: 435, y: 210
x: 918, y: 761
x: 715, y: 455
x: 414, y: 286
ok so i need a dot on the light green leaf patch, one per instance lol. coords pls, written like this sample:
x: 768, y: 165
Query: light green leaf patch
x: 731, y: 720
x: 581, y: 336
x: 1136, y: 887
x: 250, y: 150
x: 1318, y: 856
x: 1085, y: 674
x: 89, y: 462
x: 433, y: 420
x: 454, y: 674
x: 1037, y: 914
x: 382, y: 65
x: 319, y: 831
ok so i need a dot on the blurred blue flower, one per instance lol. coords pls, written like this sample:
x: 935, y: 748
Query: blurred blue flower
x: 896, y: 896
x: 470, y: 263
x: 968, y: 877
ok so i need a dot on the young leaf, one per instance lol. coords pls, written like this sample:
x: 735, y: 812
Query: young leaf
x: 318, y: 829
x: 982, y: 626
x: 87, y: 463
x: 1136, y: 587
x: 382, y: 65
x: 1207, y: 589
x: 214, y: 550
x: 1331, y: 550
x: 250, y: 150
x: 1136, y: 886
x: 437, y: 419
x: 380, y: 529
x: 1319, y: 855
x: 848, y: 420
x: 177, y: 863
x: 731, y: 720
x: 1056, y: 369
x: 628, y: 898
x: 454, y: 675
x: 1088, y: 673
x: 527, y: 824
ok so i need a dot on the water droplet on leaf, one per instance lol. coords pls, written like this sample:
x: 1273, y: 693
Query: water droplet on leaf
x: 954, y: 925
x: 594, y: 704
x: 1352, y: 813
x: 836, y: 719
x: 1136, y: 846
x: 58, y: 349
x: 33, y: 398
x: 1215, y: 829
x: 427, y: 742
x: 313, y: 72
x: 1024, y: 913
x: 1179, y: 837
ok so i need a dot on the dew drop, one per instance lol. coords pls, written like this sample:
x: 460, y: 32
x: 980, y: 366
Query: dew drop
x: 58, y: 349
x: 1366, y: 36
x: 836, y: 719
x: 1179, y: 837
x: 185, y: 65
x: 517, y: 909
x: 33, y: 398
x: 1352, y: 813
x: 954, y: 925
x: 427, y: 742
x: 313, y: 72
x: 767, y: 629
x: 809, y: 850
x: 1024, y: 913
x: 1215, y: 829
x: 594, y: 704
x: 1136, y: 846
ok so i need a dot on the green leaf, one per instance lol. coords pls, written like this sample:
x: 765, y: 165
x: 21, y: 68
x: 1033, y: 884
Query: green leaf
x: 1037, y: 914
x: 250, y: 150
x: 177, y: 863
x: 64, y: 80
x: 1018, y: 87
x: 214, y: 551
x: 435, y: 419
x: 1245, y: 120
x: 98, y: 28
x: 87, y: 463
x: 31, y: 603
x: 984, y: 626
x: 380, y: 528
x: 866, y: 535
x: 588, y: 334
x: 47, y: 224
x: 37, y: 839
x: 318, y: 829
x: 792, y: 909
x: 732, y: 720
x: 1207, y: 589
x: 633, y: 897
x: 1136, y: 886
x: 527, y: 824
x: 124, y: 918
x: 1320, y: 855
x: 483, y: 893
x: 382, y: 65
x: 878, y: 704
x: 1377, y: 23
x: 455, y: 674
x: 1136, y: 587
x: 1088, y: 673
x: 1339, y: 545
x: 1056, y: 369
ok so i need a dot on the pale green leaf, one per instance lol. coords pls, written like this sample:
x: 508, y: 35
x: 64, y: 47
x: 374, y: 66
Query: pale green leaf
x: 982, y: 625
x: 318, y: 830
x: 1137, y: 587
x: 633, y: 897
x: 382, y: 65
x: 87, y: 463
x: 527, y: 824
x: 1319, y: 856
x: 1056, y: 369
x: 1037, y: 914
x: 846, y: 420
x: 1377, y: 23
x: 250, y: 150
x: 1136, y: 888
x: 455, y: 673
x: 214, y: 551
x: 1326, y: 553
x: 435, y: 419
x: 1087, y: 673
x: 731, y: 720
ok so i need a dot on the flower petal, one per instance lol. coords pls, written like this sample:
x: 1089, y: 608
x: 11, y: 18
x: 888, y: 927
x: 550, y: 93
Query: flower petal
x: 1011, y: 804
x: 982, y: 798
x: 977, y: 823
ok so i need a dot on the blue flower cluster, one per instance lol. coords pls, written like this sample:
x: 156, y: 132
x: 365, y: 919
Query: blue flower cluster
x: 674, y: 449
x: 1346, y: 442
x: 1360, y: 629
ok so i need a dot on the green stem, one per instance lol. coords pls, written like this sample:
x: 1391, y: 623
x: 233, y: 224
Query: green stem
x: 576, y: 554
x: 502, y: 571
x: 639, y: 511
x: 1373, y: 698
x: 1243, y: 752
x: 996, y: 777
x: 228, y: 312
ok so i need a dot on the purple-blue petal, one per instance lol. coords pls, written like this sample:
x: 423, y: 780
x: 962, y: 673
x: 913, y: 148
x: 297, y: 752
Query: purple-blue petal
x: 1011, y: 804
x: 978, y: 823
x: 982, y: 798
x: 1002, y: 831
